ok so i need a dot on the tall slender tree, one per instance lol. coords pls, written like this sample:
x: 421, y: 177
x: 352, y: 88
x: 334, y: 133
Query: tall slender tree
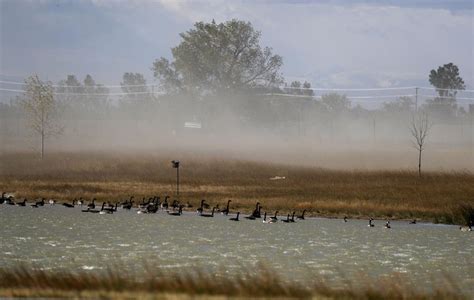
x: 420, y: 127
x: 41, y: 108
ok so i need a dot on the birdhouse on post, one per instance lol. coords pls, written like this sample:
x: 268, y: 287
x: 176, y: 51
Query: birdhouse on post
x: 175, y: 164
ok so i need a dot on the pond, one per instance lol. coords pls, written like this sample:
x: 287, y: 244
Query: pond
x: 56, y: 237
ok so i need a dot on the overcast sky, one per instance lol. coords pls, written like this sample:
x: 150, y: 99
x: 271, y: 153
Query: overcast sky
x: 329, y: 43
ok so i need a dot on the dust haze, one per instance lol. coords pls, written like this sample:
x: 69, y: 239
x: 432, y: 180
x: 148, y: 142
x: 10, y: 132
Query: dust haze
x: 258, y: 128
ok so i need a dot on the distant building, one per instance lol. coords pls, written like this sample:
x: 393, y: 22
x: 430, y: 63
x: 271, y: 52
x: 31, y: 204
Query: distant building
x: 195, y: 125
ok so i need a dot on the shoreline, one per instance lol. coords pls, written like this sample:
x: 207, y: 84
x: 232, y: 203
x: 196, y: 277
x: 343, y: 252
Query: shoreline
x: 396, y: 195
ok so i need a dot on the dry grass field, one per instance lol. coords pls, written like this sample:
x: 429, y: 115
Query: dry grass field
x: 161, y: 284
x: 323, y: 192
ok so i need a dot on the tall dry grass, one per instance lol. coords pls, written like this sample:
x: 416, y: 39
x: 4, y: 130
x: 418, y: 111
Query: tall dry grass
x: 357, y: 193
x: 31, y: 282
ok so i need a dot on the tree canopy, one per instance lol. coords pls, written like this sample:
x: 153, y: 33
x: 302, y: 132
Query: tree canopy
x: 447, y: 80
x: 88, y: 97
x: 215, y: 57
x: 134, y: 85
x: 41, y: 108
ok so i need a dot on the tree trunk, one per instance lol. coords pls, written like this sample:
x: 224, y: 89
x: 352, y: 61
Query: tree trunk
x: 419, y: 163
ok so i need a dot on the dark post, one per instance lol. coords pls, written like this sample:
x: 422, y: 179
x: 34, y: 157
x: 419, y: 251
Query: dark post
x: 176, y: 166
x: 416, y: 99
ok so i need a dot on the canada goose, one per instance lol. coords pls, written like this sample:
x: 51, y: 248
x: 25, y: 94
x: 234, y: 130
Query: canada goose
x: 80, y: 201
x: 267, y: 221
x: 22, y: 203
x: 345, y: 219
x: 52, y: 201
x: 275, y: 216
x: 301, y: 217
x: 164, y: 205
x: 175, y: 204
x: 465, y: 228
x: 144, y: 204
x: 176, y: 213
x: 92, y: 204
x: 106, y: 210
x: 89, y: 210
x: 236, y: 217
x: 6, y: 198
x: 250, y: 217
x: 65, y: 204
x: 225, y: 211
x: 413, y: 222
x: 370, y: 223
x: 91, y: 207
x: 387, y: 225
x: 152, y: 208
x: 256, y: 212
x: 287, y: 220
x: 208, y: 215
x: 38, y: 203
x: 201, y: 207
x: 292, y: 220
x: 128, y: 203
x: 10, y: 201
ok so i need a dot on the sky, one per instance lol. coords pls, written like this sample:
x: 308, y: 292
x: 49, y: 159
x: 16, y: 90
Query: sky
x: 336, y: 44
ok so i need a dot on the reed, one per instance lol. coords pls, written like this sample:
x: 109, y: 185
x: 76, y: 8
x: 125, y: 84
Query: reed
x: 400, y: 194
x: 25, y: 281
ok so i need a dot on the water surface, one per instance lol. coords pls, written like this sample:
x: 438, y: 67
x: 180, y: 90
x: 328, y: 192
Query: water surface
x: 55, y: 237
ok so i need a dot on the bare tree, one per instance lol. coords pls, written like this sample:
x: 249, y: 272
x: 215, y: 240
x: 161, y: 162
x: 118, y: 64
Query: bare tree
x: 41, y: 108
x: 420, y: 127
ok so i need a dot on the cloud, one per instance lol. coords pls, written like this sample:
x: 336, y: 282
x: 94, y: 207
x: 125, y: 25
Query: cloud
x: 329, y: 43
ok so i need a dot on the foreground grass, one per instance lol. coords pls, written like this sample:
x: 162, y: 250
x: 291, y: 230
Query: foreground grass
x: 161, y: 284
x: 113, y: 177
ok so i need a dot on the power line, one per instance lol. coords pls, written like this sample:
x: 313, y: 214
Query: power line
x: 369, y: 97
x: 84, y: 94
x: 437, y: 97
x: 351, y: 97
x: 373, y: 89
x: 439, y: 89
x: 266, y: 94
x: 282, y: 87
x: 77, y: 86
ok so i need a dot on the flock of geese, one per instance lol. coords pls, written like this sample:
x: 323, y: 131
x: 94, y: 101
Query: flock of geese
x: 175, y: 208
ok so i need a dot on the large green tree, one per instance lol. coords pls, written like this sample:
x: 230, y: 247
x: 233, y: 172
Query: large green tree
x: 213, y: 58
x: 446, y: 80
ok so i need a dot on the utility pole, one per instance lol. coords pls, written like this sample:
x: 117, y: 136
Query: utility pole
x: 373, y: 125
x: 416, y: 100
